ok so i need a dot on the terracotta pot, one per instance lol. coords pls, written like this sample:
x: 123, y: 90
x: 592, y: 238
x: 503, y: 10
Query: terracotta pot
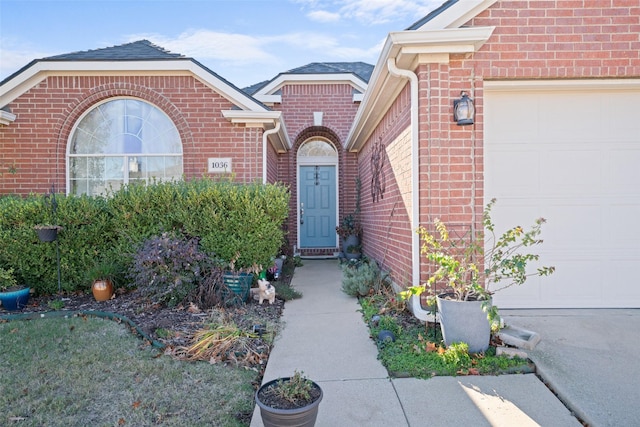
x: 102, y: 290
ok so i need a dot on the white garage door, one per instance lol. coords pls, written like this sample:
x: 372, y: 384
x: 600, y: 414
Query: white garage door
x: 570, y: 154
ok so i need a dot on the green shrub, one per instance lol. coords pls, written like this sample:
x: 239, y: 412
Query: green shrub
x: 228, y: 219
x: 362, y: 278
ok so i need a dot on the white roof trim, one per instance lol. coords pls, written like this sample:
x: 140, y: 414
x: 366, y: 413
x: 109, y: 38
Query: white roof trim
x: 6, y: 118
x: 408, y: 49
x: 43, y: 69
x: 560, y: 84
x: 267, y: 94
x: 457, y: 14
x: 266, y: 120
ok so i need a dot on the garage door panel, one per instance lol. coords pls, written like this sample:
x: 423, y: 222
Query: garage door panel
x: 516, y: 172
x: 561, y: 112
x: 623, y: 228
x: 620, y: 113
x: 571, y: 172
x: 564, y: 289
x: 581, y: 170
x: 624, y: 170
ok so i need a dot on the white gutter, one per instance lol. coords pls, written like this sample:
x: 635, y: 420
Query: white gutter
x: 265, y: 137
x: 415, y: 164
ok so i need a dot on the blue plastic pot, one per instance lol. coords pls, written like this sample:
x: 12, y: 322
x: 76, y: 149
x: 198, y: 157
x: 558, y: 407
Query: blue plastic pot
x: 15, y: 300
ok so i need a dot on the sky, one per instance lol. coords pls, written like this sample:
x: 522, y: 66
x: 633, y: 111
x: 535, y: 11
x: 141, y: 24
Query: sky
x: 243, y: 41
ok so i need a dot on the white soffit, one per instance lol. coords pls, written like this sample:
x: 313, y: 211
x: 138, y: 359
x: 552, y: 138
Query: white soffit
x: 408, y: 49
x: 267, y: 94
x: 6, y: 118
x: 457, y: 14
x: 266, y: 120
x: 43, y: 69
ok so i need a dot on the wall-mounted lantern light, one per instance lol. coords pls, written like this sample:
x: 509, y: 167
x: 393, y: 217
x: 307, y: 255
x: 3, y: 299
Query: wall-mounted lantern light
x: 463, y: 110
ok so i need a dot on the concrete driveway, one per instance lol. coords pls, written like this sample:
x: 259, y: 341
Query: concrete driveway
x: 590, y: 358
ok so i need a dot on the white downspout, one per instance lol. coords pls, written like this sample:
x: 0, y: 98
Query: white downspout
x: 265, y: 137
x: 415, y: 164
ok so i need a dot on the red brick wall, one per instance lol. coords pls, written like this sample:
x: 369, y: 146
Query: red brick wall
x: 36, y: 143
x: 335, y: 101
x: 387, y: 219
x: 532, y: 40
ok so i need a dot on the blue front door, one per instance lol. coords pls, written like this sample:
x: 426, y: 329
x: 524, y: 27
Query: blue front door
x: 317, y: 213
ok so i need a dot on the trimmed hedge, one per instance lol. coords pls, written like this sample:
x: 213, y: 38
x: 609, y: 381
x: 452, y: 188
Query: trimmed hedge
x: 232, y: 221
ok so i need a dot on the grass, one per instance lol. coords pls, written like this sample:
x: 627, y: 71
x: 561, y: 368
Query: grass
x: 418, y: 350
x: 91, y: 371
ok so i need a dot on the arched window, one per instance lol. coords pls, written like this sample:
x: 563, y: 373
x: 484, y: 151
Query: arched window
x: 317, y: 148
x: 122, y: 141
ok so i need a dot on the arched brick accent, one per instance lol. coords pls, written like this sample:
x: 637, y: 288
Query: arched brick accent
x: 113, y: 90
x: 331, y: 137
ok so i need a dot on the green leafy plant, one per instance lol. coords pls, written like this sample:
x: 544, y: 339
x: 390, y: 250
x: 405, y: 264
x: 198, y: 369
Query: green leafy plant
x: 295, y: 389
x: 7, y: 279
x: 105, y: 269
x: 349, y: 226
x: 468, y: 271
x: 56, y: 304
x: 362, y: 278
x: 418, y: 351
x: 457, y: 354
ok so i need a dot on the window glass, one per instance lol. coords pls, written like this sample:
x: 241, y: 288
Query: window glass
x: 123, y: 141
x: 317, y: 148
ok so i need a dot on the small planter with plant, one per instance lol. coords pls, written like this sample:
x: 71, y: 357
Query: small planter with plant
x: 289, y: 401
x: 103, y: 277
x: 467, y: 272
x: 12, y: 296
x: 350, y: 231
x: 47, y: 232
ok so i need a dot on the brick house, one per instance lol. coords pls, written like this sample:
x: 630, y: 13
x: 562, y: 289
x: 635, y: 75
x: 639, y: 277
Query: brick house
x: 553, y: 82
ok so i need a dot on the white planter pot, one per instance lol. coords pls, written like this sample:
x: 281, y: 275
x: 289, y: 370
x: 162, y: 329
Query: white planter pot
x: 464, y: 321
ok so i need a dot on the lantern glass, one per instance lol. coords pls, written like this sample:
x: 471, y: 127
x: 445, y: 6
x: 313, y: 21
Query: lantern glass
x: 463, y: 110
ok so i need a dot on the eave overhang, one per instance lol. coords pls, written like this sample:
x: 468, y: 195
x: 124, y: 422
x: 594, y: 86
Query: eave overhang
x: 408, y: 49
x: 268, y: 93
x: 6, y: 118
x: 266, y: 120
x: 41, y: 69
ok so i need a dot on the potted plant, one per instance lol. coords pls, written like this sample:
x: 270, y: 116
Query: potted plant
x: 12, y: 296
x: 468, y: 271
x: 238, y: 281
x: 102, y: 276
x: 353, y: 252
x: 289, y: 401
x: 47, y: 232
x: 350, y: 231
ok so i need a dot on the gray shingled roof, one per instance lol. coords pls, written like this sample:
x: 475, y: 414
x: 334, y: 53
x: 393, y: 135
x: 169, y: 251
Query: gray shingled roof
x: 135, y: 51
x: 359, y: 69
x: 437, y: 11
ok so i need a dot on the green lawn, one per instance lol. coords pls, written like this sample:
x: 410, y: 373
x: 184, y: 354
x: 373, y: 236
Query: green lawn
x: 95, y: 372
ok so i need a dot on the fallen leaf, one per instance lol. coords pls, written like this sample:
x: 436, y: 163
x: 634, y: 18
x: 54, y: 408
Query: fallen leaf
x: 136, y: 404
x: 193, y: 308
x: 474, y: 371
x: 431, y: 346
x: 121, y: 422
x: 441, y: 350
x: 14, y: 330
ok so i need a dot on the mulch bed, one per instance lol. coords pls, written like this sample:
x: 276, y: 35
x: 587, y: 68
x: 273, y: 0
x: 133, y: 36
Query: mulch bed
x: 154, y: 321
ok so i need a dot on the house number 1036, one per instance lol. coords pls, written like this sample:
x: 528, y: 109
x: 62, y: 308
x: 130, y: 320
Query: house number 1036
x: 220, y: 165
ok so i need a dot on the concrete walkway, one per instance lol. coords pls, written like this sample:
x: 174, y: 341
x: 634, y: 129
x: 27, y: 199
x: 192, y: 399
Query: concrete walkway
x: 324, y: 336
